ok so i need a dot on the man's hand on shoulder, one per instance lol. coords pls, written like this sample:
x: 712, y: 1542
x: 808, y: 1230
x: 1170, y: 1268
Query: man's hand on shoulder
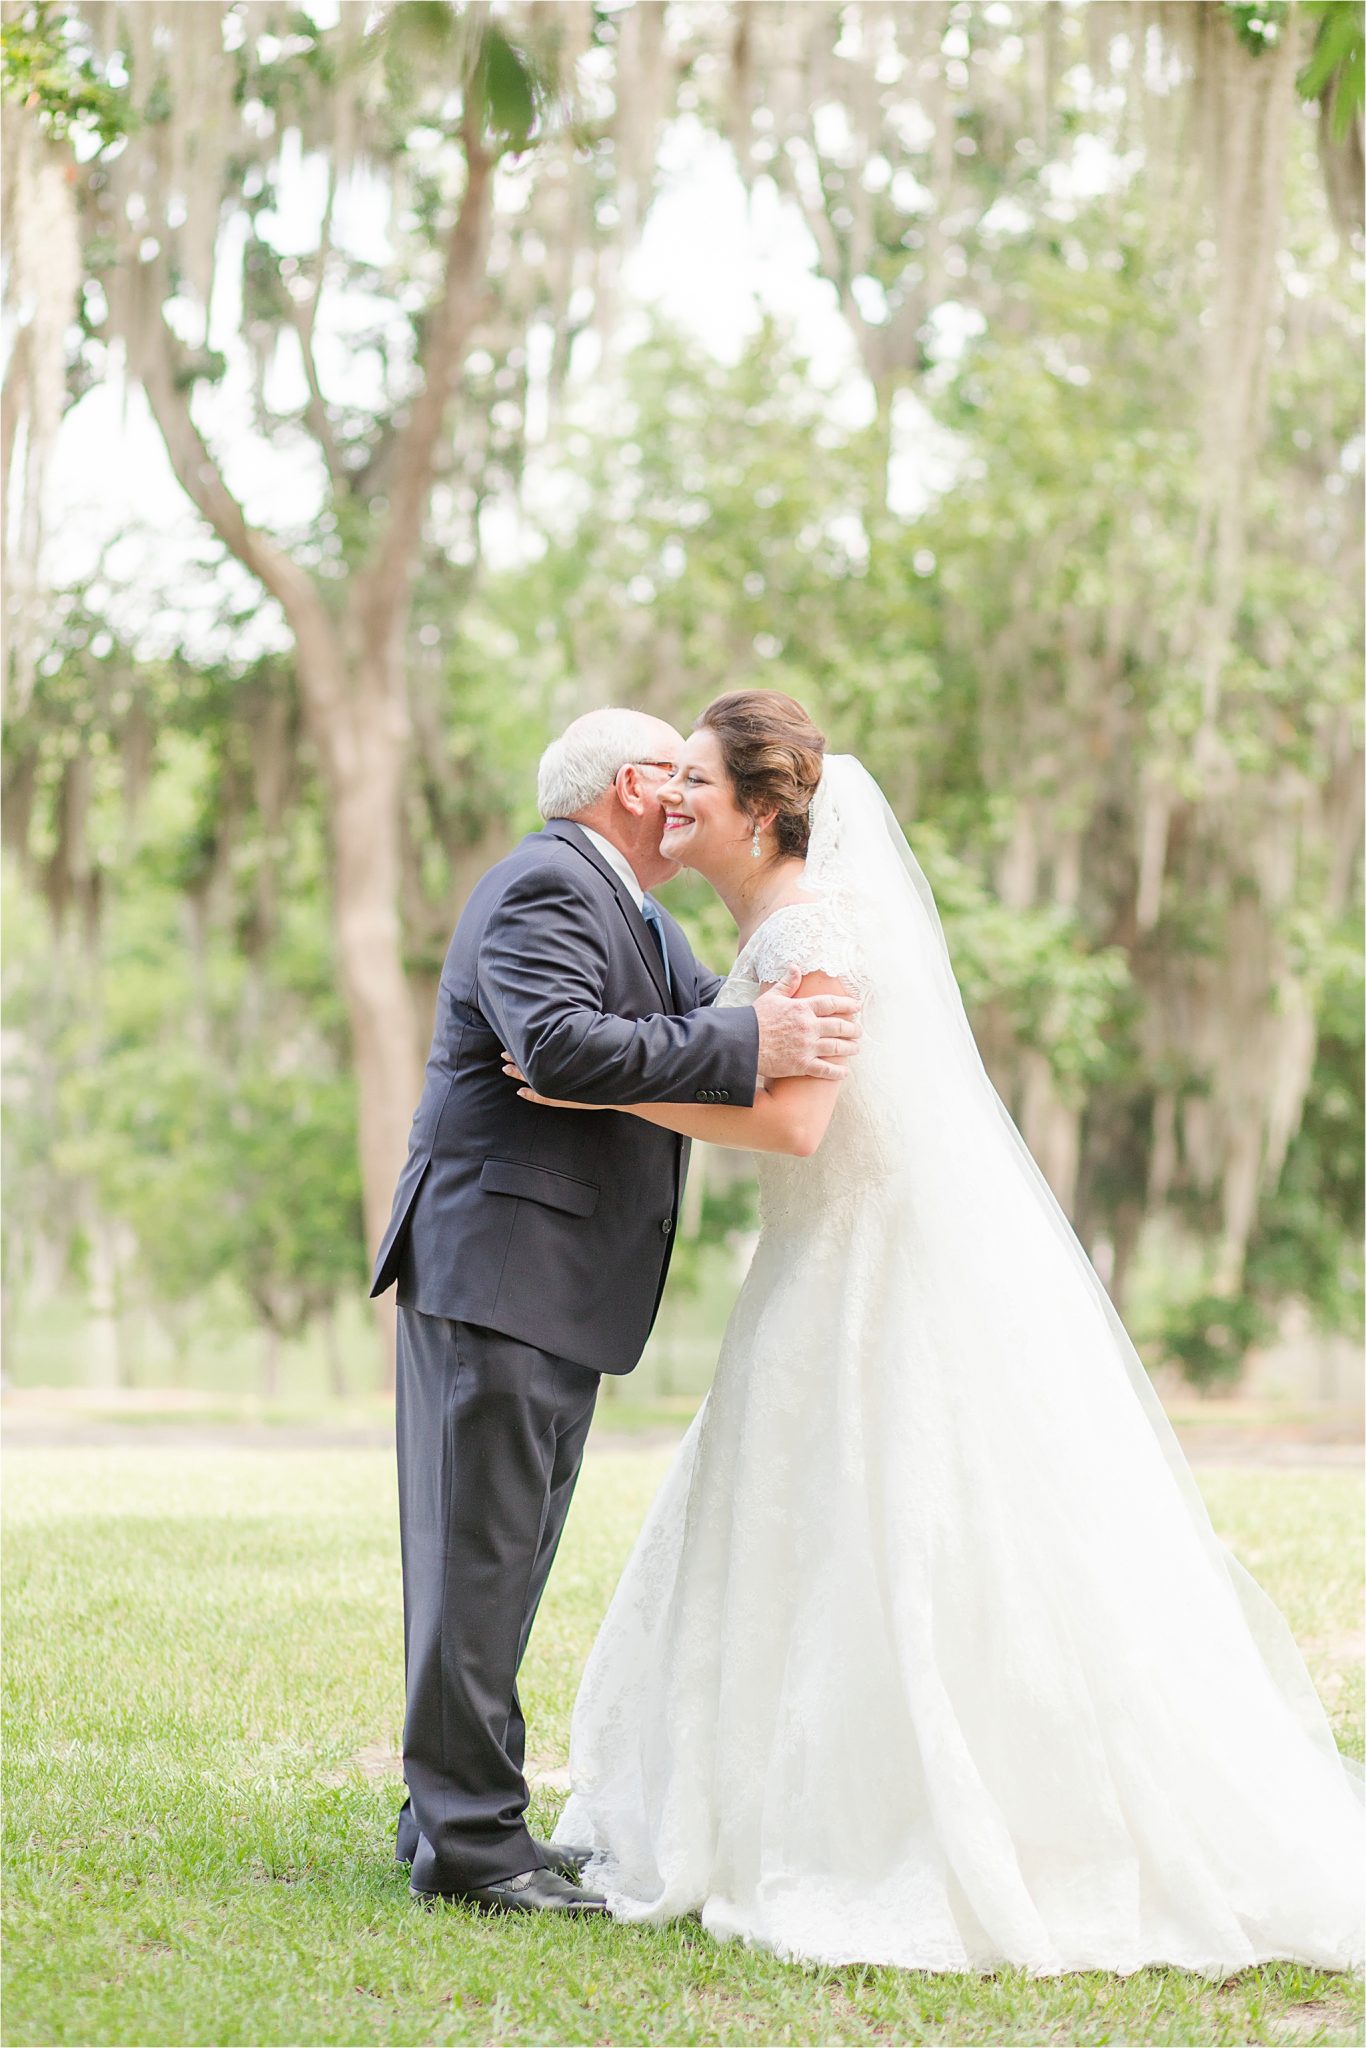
x: 815, y: 1036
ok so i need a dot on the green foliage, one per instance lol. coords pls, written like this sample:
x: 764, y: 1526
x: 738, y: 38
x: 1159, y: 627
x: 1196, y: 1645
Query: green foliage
x: 1258, y: 24
x: 45, y: 67
x: 1337, y: 62
x: 483, y: 723
x: 1015, y: 643
x: 418, y: 39
x: 1209, y: 1336
x: 725, y: 1213
x: 248, y: 1174
x: 180, y: 1057
x: 1013, y: 649
x: 729, y: 535
x: 508, y: 88
x: 1309, y: 1240
x: 1061, y: 993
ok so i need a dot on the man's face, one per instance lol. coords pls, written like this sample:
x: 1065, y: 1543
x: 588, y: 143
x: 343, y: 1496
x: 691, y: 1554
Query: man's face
x: 640, y: 794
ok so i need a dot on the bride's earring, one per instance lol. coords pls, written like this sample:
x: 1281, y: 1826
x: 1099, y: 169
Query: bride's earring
x: 754, y: 843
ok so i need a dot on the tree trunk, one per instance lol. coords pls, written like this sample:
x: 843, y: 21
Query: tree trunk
x: 1125, y: 1230
x: 364, y: 832
x: 359, y: 727
x: 1050, y: 1127
x: 6, y: 1308
x: 336, y: 1371
x: 270, y: 1361
x: 664, y: 1364
x: 351, y: 670
x: 173, y: 1320
x: 105, y: 1362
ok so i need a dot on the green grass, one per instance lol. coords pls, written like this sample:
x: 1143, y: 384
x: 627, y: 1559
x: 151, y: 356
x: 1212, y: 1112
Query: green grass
x: 203, y: 1676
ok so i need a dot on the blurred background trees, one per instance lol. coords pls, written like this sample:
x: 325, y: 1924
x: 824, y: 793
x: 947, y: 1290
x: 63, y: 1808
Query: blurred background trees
x: 1069, y: 552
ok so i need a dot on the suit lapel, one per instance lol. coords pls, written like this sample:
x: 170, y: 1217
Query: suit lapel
x: 563, y: 828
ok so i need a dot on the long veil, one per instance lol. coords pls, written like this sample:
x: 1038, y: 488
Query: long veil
x: 966, y: 1171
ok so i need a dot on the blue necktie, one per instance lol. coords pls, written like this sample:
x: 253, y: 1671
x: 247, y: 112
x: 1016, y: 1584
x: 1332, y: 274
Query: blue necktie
x: 650, y: 912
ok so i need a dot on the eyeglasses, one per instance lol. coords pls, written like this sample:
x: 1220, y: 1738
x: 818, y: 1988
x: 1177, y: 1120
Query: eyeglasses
x: 669, y: 767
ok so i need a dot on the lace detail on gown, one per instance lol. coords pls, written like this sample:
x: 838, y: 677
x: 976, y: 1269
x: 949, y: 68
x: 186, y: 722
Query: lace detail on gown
x: 806, y: 936
x: 854, y: 1155
x: 918, y: 1658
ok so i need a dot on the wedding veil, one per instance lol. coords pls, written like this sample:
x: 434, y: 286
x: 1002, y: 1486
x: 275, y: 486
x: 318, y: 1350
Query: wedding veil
x: 966, y: 1184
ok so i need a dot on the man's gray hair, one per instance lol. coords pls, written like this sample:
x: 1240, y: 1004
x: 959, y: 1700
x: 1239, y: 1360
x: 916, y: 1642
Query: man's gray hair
x: 581, y: 765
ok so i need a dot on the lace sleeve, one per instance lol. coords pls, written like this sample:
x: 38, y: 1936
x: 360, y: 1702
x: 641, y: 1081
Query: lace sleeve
x: 805, y: 936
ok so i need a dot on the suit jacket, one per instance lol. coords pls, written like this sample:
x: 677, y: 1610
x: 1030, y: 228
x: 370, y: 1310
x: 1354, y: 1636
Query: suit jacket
x: 555, y: 1226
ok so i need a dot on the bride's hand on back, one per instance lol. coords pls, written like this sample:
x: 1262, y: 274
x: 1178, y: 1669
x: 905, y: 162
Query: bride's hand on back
x: 528, y: 1093
x: 811, y: 1036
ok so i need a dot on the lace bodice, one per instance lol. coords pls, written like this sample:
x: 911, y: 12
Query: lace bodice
x: 803, y: 935
x: 808, y: 936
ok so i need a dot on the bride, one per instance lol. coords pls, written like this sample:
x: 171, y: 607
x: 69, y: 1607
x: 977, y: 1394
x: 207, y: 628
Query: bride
x: 927, y: 1653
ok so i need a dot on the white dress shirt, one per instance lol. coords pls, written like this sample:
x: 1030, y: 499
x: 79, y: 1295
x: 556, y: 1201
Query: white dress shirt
x: 617, y: 861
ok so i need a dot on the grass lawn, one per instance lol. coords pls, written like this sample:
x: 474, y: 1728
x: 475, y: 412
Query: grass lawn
x: 203, y: 1679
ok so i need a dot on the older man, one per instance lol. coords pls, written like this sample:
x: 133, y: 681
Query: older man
x: 530, y: 1247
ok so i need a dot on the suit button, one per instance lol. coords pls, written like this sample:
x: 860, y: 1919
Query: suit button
x: 701, y: 1095
x: 667, y: 1225
x: 723, y: 1095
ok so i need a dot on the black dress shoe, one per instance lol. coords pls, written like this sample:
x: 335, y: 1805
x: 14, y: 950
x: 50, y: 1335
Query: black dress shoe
x: 531, y: 1891
x: 561, y: 1856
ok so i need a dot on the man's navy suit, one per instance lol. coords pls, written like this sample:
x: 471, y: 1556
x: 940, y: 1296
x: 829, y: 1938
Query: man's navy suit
x: 530, y: 1247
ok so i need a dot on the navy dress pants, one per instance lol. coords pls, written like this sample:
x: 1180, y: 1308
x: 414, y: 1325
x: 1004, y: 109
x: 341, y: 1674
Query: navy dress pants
x: 490, y: 1439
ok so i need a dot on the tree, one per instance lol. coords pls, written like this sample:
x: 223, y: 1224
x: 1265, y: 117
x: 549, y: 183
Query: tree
x: 926, y: 145
x: 998, y: 658
x: 180, y: 187
x: 182, y: 1112
x: 1109, y: 676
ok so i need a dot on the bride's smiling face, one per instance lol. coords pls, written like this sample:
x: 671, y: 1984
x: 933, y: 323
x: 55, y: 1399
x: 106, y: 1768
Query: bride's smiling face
x: 704, y: 827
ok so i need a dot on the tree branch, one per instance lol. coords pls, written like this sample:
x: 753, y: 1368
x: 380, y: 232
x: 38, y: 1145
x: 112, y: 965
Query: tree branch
x: 833, y: 263
x: 304, y: 318
x: 372, y: 480
x: 201, y: 478
x: 463, y: 302
x: 315, y: 412
x: 12, y: 396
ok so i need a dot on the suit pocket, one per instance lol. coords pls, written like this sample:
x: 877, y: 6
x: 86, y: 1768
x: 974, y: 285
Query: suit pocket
x: 539, y: 1184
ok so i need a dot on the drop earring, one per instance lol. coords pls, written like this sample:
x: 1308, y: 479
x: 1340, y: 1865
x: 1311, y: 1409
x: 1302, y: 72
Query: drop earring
x: 754, y: 843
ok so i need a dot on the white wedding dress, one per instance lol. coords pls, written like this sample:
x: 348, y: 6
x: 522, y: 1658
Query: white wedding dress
x: 927, y: 1654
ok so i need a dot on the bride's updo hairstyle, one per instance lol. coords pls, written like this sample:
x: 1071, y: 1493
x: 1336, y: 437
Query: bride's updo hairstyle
x: 772, y: 753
